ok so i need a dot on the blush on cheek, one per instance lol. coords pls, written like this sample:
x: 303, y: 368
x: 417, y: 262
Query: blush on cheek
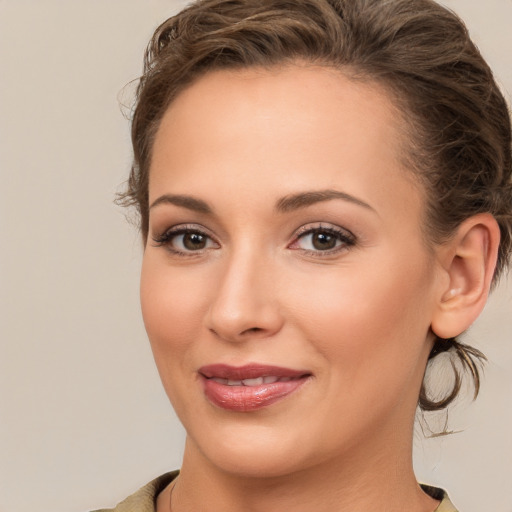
x: 170, y: 308
x: 171, y: 327
x: 168, y: 321
x: 367, y: 316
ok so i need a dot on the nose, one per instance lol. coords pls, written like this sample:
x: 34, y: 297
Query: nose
x: 245, y: 305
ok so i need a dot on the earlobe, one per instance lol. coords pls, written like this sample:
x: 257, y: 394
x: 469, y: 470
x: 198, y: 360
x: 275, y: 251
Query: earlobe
x: 469, y: 260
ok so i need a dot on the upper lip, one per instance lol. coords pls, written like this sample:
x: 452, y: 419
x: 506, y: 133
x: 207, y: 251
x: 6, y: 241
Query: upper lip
x: 248, y: 371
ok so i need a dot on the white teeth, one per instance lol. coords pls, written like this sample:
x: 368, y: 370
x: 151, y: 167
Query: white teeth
x: 258, y: 381
x: 253, y: 382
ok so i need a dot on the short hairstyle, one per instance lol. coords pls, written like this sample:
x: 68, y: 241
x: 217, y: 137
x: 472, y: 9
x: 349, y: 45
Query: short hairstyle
x: 458, y: 142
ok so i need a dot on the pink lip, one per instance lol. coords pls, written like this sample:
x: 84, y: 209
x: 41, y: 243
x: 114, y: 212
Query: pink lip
x: 244, y: 398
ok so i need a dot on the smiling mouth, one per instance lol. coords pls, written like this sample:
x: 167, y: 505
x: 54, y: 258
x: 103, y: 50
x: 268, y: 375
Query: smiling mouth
x: 258, y: 381
x: 250, y: 387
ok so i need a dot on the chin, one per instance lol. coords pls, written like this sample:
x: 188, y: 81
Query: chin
x: 249, y: 451
x: 256, y: 463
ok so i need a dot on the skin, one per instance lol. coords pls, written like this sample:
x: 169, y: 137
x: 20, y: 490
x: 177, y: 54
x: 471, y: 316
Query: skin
x: 358, y: 318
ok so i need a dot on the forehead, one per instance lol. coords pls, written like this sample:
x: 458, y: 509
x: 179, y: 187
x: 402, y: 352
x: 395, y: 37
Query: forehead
x: 259, y: 96
x: 286, y: 128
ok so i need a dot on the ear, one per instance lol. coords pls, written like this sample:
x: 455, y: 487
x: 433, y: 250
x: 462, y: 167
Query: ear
x: 468, y: 261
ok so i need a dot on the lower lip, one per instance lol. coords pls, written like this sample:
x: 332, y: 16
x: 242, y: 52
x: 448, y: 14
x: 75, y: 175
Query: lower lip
x: 249, y: 398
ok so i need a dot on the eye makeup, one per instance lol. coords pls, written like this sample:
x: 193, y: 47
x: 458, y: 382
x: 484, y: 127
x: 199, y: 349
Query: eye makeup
x: 186, y: 240
x: 322, y: 240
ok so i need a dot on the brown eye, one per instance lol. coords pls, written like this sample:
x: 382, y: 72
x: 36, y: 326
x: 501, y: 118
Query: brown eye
x: 184, y: 240
x: 323, y: 241
x: 194, y: 241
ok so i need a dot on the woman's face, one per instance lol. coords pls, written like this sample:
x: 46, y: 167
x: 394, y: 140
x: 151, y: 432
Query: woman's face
x: 285, y: 250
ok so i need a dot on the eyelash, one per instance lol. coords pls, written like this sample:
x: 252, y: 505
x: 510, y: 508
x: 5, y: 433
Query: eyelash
x: 345, y: 237
x: 166, y: 238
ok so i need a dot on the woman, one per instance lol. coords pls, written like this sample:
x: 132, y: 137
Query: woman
x: 324, y: 190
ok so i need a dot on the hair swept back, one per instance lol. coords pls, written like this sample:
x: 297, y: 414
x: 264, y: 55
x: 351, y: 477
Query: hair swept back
x: 459, y: 123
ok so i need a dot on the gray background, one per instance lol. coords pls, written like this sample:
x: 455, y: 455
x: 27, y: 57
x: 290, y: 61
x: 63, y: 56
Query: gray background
x: 83, y: 418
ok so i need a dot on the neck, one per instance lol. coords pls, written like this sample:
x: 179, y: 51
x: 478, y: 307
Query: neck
x: 379, y: 480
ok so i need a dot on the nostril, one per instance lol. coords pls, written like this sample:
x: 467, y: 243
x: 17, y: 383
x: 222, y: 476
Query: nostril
x: 253, y: 329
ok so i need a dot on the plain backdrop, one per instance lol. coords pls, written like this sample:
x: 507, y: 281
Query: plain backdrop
x: 83, y: 419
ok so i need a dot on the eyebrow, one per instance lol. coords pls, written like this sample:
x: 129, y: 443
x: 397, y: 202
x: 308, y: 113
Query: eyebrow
x: 304, y: 199
x: 188, y: 202
x: 285, y: 204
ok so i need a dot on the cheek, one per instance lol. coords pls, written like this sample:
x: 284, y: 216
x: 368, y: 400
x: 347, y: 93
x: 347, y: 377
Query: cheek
x: 172, y: 307
x: 367, y: 320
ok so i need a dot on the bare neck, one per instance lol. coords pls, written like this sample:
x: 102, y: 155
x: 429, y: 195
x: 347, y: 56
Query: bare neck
x: 378, y: 480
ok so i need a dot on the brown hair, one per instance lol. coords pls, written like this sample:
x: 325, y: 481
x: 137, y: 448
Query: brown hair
x: 460, y: 142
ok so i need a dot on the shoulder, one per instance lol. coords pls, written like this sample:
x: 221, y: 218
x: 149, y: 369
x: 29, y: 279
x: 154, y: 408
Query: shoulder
x: 144, y: 499
x: 439, y: 494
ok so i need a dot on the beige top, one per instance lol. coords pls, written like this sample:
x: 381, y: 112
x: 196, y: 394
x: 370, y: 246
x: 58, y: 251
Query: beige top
x: 145, y: 498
